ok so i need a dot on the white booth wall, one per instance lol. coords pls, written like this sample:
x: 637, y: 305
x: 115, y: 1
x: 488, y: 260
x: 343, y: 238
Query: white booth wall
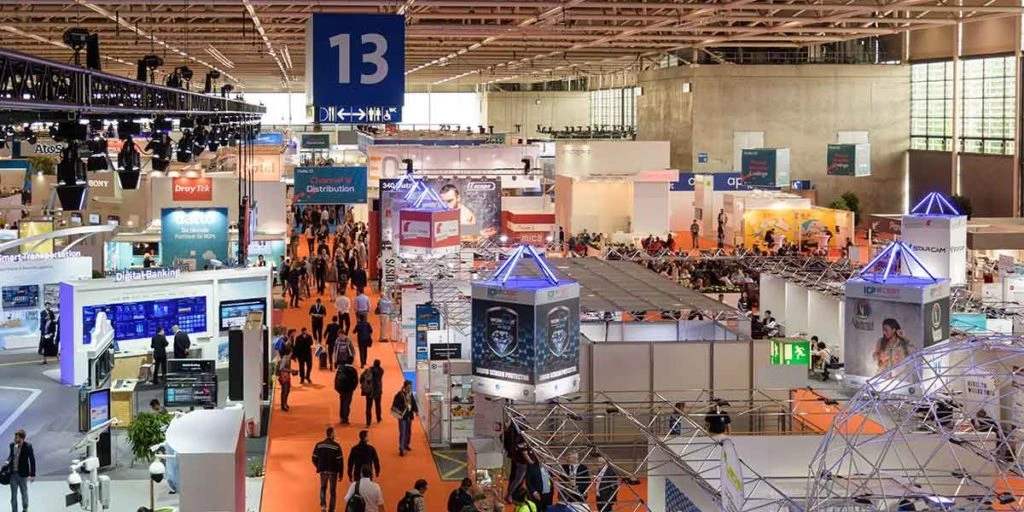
x: 825, y: 320
x: 795, y: 318
x: 599, y: 206
x: 269, y: 195
x: 586, y: 158
x: 385, y: 161
x: 773, y: 295
x: 19, y: 326
x: 683, y: 330
x: 214, y: 285
x: 651, y: 207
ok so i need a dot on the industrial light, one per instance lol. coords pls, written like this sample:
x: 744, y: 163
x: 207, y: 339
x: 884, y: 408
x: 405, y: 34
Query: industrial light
x: 71, y: 180
x: 129, y: 165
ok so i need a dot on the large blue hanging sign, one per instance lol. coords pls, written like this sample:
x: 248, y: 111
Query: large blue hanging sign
x: 355, y: 72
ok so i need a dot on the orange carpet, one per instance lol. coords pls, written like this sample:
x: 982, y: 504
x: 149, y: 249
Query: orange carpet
x: 291, y: 483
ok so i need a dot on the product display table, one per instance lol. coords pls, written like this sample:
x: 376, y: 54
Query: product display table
x: 127, y: 364
x: 122, y: 401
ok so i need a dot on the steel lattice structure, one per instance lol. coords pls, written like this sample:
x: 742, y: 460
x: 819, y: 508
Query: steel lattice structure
x: 941, y: 430
x: 635, y: 437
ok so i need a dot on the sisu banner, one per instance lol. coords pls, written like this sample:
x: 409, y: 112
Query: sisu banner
x: 330, y: 185
x: 193, y: 237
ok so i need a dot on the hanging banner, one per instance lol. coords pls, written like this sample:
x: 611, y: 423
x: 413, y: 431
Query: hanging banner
x: 314, y: 141
x: 731, y: 477
x: 389, y: 267
x: 330, y: 185
x: 765, y: 167
x: 848, y: 160
x: 193, y: 237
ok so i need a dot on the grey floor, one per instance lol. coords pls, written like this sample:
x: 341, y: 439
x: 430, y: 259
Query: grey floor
x: 51, y: 421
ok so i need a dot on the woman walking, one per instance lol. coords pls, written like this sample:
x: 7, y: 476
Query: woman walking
x: 284, y: 374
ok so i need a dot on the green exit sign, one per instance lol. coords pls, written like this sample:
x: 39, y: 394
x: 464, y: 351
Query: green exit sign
x: 791, y: 352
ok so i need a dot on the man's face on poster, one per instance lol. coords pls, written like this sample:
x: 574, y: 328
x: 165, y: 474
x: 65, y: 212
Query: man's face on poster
x: 451, y: 198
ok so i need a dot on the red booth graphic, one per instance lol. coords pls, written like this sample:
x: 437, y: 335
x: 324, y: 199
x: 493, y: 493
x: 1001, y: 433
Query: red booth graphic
x: 428, y: 233
x: 528, y: 228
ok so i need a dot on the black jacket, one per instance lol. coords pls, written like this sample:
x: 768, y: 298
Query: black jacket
x: 181, y: 344
x: 364, y: 334
x: 580, y: 480
x: 347, y: 379
x: 159, y: 345
x: 26, y: 463
x: 398, y: 403
x: 304, y: 346
x: 320, y: 311
x: 359, y: 277
x: 458, y: 500
x: 327, y: 457
x: 361, y: 455
x: 534, y: 479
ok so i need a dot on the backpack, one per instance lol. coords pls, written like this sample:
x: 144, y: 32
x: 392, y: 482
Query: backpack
x: 408, y: 503
x: 356, y: 503
x: 366, y: 382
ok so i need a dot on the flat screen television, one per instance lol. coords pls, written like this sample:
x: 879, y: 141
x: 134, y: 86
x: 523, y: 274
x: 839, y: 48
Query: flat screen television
x: 18, y: 297
x: 114, y: 220
x: 99, y: 407
x: 140, y: 320
x: 94, y: 218
x: 234, y: 312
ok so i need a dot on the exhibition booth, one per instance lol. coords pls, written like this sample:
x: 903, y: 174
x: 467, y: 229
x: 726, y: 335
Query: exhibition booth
x: 204, y: 304
x: 804, y: 311
x: 28, y: 283
x: 788, y: 217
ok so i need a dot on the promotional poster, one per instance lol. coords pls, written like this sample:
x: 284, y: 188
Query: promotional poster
x: 193, y: 237
x: 330, y: 185
x: 879, y: 334
x: 558, y: 334
x: 428, y: 232
x: 765, y: 167
x: 390, y: 198
x: 503, y: 343
x: 478, y: 202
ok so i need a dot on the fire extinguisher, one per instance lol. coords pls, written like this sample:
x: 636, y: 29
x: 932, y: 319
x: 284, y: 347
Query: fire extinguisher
x: 250, y: 428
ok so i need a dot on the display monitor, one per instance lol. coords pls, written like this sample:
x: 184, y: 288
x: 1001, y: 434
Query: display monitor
x: 94, y: 218
x: 99, y: 407
x: 18, y: 297
x: 114, y: 220
x: 140, y: 320
x: 234, y: 312
x: 76, y: 218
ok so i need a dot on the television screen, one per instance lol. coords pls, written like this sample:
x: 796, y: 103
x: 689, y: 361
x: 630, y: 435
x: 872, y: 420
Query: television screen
x: 234, y: 312
x: 76, y: 218
x: 141, y: 248
x: 15, y: 297
x: 140, y: 320
x: 94, y: 218
x: 99, y: 407
x: 113, y: 220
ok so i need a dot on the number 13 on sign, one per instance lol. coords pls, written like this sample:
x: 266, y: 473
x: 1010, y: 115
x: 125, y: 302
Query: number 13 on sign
x: 376, y: 58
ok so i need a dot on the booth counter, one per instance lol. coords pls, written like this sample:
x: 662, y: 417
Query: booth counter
x: 209, y: 464
x: 204, y: 304
x: 28, y: 283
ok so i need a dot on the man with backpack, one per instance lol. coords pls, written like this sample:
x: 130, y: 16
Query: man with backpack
x: 364, y: 495
x: 371, y: 386
x: 413, y: 501
x: 346, y: 380
x: 327, y: 459
x: 461, y: 498
x: 343, y: 351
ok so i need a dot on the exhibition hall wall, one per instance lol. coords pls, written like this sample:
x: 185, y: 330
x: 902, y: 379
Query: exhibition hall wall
x: 385, y: 161
x: 724, y: 101
x: 594, y: 158
x: 137, y: 307
x: 27, y: 285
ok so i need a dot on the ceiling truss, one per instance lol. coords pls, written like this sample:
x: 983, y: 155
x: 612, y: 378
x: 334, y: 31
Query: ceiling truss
x: 464, y: 43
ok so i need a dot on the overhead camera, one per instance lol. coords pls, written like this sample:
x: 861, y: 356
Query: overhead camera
x: 76, y: 38
x: 157, y: 471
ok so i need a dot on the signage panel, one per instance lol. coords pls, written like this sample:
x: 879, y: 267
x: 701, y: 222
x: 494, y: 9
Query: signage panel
x: 193, y: 237
x: 315, y: 141
x: 330, y: 185
x: 192, y: 189
x: 765, y: 167
x: 356, y: 68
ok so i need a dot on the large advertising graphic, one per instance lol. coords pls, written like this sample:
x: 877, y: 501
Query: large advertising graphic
x: 848, y: 160
x: 478, y: 202
x: 193, y: 237
x: 429, y: 232
x: 884, y: 324
x: 330, y: 185
x: 760, y: 226
x: 503, y: 343
x: 391, y: 193
x: 558, y: 337
x: 192, y: 189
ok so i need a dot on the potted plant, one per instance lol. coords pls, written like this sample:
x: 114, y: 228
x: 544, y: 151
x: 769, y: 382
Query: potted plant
x: 147, y: 429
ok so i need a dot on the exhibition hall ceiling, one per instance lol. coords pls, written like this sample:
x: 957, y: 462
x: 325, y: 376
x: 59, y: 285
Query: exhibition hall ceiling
x: 260, y: 43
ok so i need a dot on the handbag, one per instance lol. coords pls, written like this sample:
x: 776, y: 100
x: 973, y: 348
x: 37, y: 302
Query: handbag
x: 5, y: 474
x: 397, y: 413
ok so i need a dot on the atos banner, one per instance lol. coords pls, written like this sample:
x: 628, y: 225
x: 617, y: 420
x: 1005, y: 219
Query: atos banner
x: 355, y: 72
x: 192, y: 189
x: 330, y: 185
x: 193, y: 237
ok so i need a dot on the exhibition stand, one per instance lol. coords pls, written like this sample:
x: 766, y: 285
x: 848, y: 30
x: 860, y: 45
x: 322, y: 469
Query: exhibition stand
x: 208, y: 463
x: 938, y: 234
x: 28, y: 283
x: 894, y: 308
x: 204, y: 304
x: 428, y: 227
x: 804, y: 309
x: 790, y: 218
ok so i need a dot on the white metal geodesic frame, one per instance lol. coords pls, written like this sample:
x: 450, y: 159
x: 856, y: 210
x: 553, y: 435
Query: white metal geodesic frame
x: 936, y: 450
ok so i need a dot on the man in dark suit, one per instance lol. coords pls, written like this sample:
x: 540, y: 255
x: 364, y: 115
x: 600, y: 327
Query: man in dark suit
x: 539, y: 486
x: 181, y: 343
x: 159, y: 345
x: 22, y: 460
x: 304, y: 353
x: 579, y: 479
x: 317, y: 312
x: 607, y: 486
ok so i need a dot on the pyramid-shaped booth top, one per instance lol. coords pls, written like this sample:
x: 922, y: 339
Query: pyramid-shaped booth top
x: 507, y: 277
x: 897, y: 264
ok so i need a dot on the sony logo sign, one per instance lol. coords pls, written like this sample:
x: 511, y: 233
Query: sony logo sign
x: 99, y: 183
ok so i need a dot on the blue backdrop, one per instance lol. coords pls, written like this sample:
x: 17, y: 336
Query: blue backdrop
x: 193, y: 236
x: 356, y: 72
x: 330, y: 185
